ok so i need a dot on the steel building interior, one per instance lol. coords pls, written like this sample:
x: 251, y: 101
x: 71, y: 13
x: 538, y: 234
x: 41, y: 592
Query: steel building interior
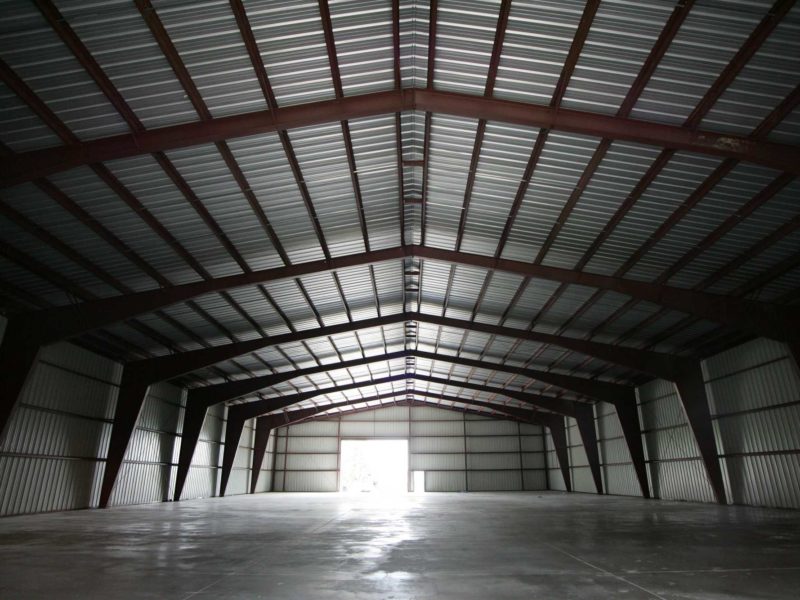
x: 553, y: 246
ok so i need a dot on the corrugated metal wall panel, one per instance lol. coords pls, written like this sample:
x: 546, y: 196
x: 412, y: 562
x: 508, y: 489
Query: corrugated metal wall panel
x: 534, y: 480
x: 445, y: 481
x: 52, y: 457
x: 488, y: 481
x: 310, y: 481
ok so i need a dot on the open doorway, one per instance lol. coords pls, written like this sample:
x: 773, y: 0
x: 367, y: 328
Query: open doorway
x: 377, y: 466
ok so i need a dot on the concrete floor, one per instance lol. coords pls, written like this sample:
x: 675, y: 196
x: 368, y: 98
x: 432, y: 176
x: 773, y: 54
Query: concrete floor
x: 479, y: 545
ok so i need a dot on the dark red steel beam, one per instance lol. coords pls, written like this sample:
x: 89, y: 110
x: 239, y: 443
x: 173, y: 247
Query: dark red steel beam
x: 768, y: 320
x: 36, y: 164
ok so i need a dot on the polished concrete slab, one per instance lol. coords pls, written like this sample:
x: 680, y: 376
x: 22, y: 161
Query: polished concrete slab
x: 478, y: 545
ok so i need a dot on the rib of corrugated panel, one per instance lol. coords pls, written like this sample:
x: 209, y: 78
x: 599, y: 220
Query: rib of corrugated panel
x: 622, y: 35
x: 142, y: 176
x: 292, y: 45
x: 414, y: 27
x: 55, y: 76
x: 451, y: 142
x: 211, y: 180
x: 537, y: 40
x: 613, y: 180
x: 669, y: 190
x: 709, y: 38
x: 558, y: 170
x: 211, y: 46
x: 504, y: 154
x: 763, y: 82
x: 364, y: 46
x: 20, y: 129
x: 465, y: 32
x: 375, y: 149
x: 120, y: 41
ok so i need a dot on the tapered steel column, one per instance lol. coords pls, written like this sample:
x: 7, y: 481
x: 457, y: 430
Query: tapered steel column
x: 233, y: 433
x: 193, y: 416
x: 584, y: 416
x: 130, y: 399
x: 558, y: 432
x: 628, y: 414
x: 692, y: 392
x: 18, y: 354
x: 263, y: 428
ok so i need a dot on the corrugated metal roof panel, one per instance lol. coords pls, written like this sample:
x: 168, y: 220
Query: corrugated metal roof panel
x: 505, y: 152
x: 89, y: 192
x: 292, y: 44
x: 537, y: 40
x: 612, y: 182
x: 20, y: 129
x: 414, y: 27
x: 623, y: 33
x: 364, y: 45
x: 35, y: 52
x: 708, y: 39
x: 452, y: 139
x: 320, y: 151
x: 560, y: 166
x: 142, y: 176
x: 744, y: 182
x: 120, y: 41
x: 212, y: 48
x: 499, y: 292
x: 375, y: 149
x: 682, y: 175
x: 465, y: 31
x: 263, y: 162
x: 763, y: 82
x: 210, y: 179
x: 29, y: 200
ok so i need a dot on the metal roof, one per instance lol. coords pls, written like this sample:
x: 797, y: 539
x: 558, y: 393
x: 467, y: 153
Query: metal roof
x: 332, y: 184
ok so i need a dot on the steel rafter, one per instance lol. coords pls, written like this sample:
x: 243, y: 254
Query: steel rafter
x: 35, y: 164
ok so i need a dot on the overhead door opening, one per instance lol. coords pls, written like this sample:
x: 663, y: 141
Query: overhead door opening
x: 374, y: 466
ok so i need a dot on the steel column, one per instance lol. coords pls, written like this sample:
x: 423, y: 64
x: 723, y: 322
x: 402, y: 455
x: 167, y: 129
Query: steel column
x: 130, y: 399
x: 558, y: 432
x: 193, y: 416
x: 263, y: 428
x: 628, y: 415
x: 692, y: 393
x: 17, y: 356
x: 233, y: 433
x: 584, y: 417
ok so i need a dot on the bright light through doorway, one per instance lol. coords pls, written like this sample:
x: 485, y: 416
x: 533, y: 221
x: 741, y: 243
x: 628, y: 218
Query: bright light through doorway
x: 376, y: 466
